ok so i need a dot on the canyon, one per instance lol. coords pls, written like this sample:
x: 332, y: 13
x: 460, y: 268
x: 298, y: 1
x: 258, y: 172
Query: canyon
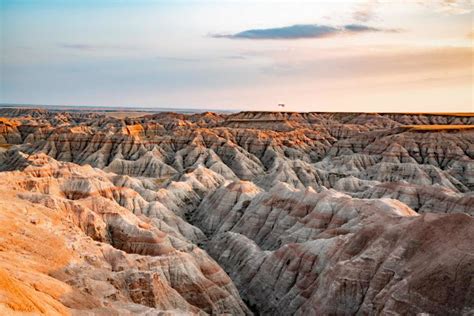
x: 249, y: 213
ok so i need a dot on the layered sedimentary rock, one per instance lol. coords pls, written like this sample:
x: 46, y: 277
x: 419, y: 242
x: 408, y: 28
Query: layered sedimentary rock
x: 72, y: 236
x: 302, y: 252
x: 291, y: 213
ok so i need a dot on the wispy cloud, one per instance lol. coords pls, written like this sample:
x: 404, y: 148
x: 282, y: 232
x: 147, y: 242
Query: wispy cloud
x: 301, y: 31
x: 179, y: 59
x: 286, y: 32
x: 359, y: 28
x: 388, y: 64
x: 457, y: 6
x: 240, y: 57
x: 365, y: 11
x: 452, y: 7
x: 89, y: 47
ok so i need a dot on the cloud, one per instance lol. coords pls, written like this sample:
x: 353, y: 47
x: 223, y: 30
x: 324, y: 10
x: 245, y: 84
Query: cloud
x: 328, y: 68
x: 77, y: 46
x: 451, y: 7
x: 178, y: 59
x: 300, y: 31
x: 360, y: 28
x: 240, y: 57
x: 286, y: 32
x: 365, y: 11
x: 89, y: 47
x: 456, y: 6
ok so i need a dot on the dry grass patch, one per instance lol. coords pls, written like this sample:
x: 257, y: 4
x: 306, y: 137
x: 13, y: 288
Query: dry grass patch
x: 160, y: 181
x: 437, y: 127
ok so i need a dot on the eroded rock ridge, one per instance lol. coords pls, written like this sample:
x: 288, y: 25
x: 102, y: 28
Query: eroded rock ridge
x: 272, y: 213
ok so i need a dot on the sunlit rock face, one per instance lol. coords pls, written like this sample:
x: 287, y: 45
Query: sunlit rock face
x: 271, y: 213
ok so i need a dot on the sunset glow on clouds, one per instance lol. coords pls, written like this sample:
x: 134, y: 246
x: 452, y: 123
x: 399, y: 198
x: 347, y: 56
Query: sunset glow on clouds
x: 313, y: 56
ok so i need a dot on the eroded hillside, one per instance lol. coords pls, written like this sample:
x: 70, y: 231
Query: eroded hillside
x: 254, y: 212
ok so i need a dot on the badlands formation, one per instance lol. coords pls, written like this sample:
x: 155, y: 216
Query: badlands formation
x: 248, y: 213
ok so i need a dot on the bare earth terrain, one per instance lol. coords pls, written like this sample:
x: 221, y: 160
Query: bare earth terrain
x: 271, y: 213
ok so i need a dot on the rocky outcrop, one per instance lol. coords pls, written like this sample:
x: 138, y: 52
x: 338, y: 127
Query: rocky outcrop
x: 291, y: 213
x: 305, y: 253
x: 123, y: 252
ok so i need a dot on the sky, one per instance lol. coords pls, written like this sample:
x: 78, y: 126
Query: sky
x: 361, y: 55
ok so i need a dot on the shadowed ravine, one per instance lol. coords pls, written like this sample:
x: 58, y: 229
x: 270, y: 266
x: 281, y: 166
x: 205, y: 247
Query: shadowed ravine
x: 291, y: 213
